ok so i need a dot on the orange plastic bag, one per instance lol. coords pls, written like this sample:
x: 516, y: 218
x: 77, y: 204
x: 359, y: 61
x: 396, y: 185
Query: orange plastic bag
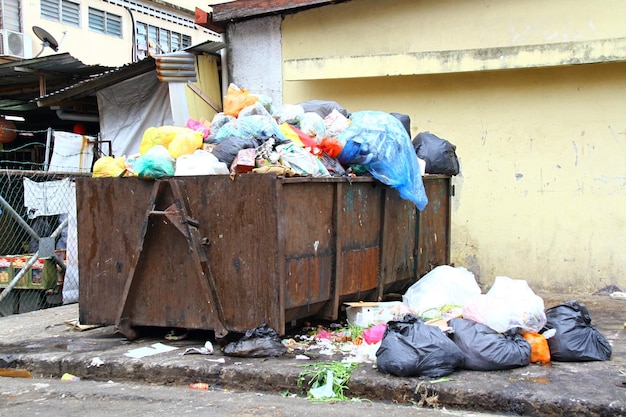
x: 236, y: 99
x: 331, y: 146
x: 539, y: 349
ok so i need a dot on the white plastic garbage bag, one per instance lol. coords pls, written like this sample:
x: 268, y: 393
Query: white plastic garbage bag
x: 509, y: 303
x: 200, y: 163
x: 443, y: 286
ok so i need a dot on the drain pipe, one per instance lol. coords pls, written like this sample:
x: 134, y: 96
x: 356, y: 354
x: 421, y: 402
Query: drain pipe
x: 225, y: 80
x: 75, y: 117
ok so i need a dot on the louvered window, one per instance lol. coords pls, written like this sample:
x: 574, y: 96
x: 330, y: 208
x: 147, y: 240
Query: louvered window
x: 104, y: 22
x: 64, y: 11
x: 153, y: 40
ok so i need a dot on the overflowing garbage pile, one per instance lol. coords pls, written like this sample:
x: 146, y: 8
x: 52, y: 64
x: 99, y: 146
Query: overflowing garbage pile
x: 315, y: 138
x: 445, y: 323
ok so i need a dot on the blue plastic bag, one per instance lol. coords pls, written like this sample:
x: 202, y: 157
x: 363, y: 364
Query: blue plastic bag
x: 251, y: 127
x: 379, y: 142
x: 155, y: 163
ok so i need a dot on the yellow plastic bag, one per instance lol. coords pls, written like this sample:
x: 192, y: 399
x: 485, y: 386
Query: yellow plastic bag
x: 162, y: 135
x: 185, y: 143
x: 236, y: 99
x: 109, y: 166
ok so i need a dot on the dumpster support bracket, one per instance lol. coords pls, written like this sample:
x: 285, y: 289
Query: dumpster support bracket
x: 179, y: 214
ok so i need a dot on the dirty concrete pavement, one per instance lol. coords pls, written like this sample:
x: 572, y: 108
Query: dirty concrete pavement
x: 42, y: 343
x: 53, y: 397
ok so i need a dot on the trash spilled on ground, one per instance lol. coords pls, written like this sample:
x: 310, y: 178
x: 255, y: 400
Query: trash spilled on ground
x: 443, y: 324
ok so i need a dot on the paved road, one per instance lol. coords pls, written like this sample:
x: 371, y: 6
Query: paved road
x: 21, y: 397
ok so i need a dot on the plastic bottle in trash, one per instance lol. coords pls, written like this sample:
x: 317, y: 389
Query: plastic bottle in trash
x: 199, y: 386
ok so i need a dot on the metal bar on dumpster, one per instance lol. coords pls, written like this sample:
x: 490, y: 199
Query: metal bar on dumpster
x: 122, y: 322
x: 179, y: 215
x: 384, y: 225
x: 338, y: 248
x: 202, y: 263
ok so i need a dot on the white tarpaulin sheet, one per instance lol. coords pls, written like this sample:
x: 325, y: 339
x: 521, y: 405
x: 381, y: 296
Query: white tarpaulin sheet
x: 128, y: 108
x: 46, y: 198
x: 71, y: 153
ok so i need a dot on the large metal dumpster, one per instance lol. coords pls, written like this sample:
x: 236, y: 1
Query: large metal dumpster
x: 271, y: 249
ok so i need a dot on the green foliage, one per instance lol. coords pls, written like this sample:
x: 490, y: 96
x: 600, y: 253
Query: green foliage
x: 317, y: 376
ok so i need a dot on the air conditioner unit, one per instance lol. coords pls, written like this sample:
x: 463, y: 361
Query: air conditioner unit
x: 15, y: 44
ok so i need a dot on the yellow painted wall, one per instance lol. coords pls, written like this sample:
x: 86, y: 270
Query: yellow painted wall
x: 208, y: 83
x: 542, y: 189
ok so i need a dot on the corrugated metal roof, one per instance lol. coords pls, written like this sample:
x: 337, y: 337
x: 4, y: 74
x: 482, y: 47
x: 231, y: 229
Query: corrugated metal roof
x: 66, y: 78
x: 248, y: 9
x: 208, y: 47
x: 23, y: 81
x: 97, y: 82
x: 113, y: 76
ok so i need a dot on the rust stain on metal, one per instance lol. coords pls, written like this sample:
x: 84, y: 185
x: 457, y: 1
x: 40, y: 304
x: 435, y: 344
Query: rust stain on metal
x: 280, y: 249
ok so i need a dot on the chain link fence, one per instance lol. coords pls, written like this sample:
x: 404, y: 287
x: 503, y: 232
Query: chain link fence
x: 38, y: 238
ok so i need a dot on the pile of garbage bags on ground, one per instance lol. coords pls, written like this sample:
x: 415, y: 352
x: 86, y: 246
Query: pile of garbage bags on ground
x: 445, y: 323
x: 315, y: 138
x: 454, y: 326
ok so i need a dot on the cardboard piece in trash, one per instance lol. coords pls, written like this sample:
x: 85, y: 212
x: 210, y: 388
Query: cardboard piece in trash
x: 75, y: 325
x: 365, y: 314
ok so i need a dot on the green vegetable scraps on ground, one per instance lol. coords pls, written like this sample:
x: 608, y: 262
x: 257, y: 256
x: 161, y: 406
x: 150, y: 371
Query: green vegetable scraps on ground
x: 324, y: 374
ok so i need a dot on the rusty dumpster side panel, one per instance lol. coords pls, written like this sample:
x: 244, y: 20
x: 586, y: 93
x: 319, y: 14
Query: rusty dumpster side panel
x: 435, y: 225
x: 166, y: 289
x: 277, y: 249
x: 306, y: 244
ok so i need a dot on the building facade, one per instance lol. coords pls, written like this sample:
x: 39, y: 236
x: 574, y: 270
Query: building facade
x: 98, y: 32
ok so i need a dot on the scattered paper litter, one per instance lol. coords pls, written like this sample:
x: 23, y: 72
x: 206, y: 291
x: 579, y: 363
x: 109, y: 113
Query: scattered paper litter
x: 149, y: 350
x: 207, y: 349
x: 96, y: 362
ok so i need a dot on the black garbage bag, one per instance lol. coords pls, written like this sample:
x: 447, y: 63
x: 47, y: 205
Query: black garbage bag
x: 576, y: 339
x: 227, y: 150
x: 439, y: 154
x: 412, y: 348
x: 405, y: 119
x: 487, y: 350
x: 324, y: 107
x: 335, y: 169
x: 260, y: 342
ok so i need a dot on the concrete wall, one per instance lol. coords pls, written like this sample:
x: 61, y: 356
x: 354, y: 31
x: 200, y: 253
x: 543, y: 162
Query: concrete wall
x: 255, y: 60
x: 541, y: 141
